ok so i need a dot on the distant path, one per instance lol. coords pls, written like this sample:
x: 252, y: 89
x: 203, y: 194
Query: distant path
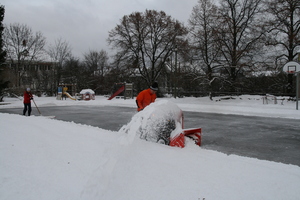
x: 273, y: 139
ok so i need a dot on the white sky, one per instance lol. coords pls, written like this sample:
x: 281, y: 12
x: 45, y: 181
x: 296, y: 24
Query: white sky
x: 85, y: 24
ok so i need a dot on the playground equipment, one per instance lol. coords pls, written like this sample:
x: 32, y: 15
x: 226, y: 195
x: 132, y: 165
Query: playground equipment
x: 68, y: 95
x: 125, y: 89
x: 62, y: 91
x: 87, y: 94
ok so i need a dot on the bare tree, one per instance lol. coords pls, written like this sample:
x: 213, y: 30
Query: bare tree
x: 284, y: 32
x: 97, y: 62
x: 22, y: 46
x: 202, y: 31
x: 60, y: 52
x: 284, y: 27
x: 75, y: 72
x: 145, y: 41
x: 98, y: 67
x: 239, y: 33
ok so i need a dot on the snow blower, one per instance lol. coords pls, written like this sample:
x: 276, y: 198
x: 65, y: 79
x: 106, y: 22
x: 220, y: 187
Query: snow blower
x: 162, y: 122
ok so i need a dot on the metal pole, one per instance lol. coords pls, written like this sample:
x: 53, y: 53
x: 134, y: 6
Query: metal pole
x: 175, y: 81
x: 297, y: 89
x: 298, y: 84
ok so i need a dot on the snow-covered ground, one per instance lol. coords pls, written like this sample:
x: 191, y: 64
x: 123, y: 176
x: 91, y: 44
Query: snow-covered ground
x: 47, y: 159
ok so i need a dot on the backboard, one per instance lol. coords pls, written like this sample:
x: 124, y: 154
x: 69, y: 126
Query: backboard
x: 291, y: 67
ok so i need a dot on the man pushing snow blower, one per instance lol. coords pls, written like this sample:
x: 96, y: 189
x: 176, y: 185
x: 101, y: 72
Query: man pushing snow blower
x: 161, y: 122
x: 146, y: 97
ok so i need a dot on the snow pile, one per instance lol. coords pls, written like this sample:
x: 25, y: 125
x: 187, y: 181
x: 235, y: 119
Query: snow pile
x: 48, y: 159
x: 84, y: 91
x: 156, y: 123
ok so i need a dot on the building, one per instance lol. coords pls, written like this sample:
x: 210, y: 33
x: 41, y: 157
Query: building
x: 40, y: 76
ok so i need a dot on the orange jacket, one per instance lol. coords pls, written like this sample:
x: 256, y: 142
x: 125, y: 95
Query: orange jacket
x: 144, y: 98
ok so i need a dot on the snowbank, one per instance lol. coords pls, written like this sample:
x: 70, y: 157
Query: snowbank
x: 47, y: 159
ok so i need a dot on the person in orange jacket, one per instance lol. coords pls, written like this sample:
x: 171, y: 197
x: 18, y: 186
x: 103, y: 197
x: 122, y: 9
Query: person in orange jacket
x: 146, y: 97
x: 27, y: 103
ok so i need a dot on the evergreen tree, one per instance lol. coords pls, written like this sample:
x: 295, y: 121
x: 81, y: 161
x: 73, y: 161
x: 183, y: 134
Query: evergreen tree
x: 3, y: 84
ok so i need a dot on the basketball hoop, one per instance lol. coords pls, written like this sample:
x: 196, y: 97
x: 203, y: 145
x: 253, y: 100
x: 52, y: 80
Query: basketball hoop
x: 291, y: 67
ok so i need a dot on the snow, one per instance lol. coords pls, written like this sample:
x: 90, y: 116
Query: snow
x: 42, y: 158
x: 155, y: 122
x: 84, y: 91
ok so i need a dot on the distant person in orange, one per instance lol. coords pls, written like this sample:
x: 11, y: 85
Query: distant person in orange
x: 27, y: 101
x: 146, y: 97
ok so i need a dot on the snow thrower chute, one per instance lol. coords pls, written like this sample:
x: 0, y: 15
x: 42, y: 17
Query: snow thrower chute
x: 179, y: 140
x: 162, y: 122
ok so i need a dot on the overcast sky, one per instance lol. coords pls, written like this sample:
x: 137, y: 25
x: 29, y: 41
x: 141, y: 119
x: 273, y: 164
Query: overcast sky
x: 85, y: 24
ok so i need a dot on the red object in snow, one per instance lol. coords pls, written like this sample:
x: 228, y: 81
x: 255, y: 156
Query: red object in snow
x: 179, y: 140
x: 117, y: 92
